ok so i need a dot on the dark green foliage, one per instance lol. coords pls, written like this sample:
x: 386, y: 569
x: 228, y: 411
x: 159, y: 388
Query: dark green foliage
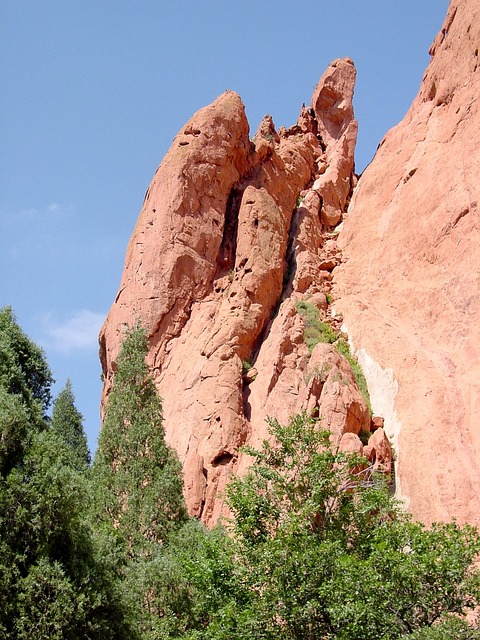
x: 67, y: 424
x: 25, y: 382
x: 187, y: 584
x: 54, y: 583
x: 137, y: 476
x: 138, y: 496
x: 24, y: 371
x: 47, y: 603
x: 344, y: 350
x: 14, y: 429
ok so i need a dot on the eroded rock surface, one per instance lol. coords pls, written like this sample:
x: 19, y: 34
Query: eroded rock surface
x: 232, y: 235
x: 409, y: 287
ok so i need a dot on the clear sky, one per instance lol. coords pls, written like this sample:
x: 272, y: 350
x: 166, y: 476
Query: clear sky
x: 92, y: 94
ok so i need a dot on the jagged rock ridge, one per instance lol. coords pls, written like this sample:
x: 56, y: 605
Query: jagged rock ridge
x: 232, y: 235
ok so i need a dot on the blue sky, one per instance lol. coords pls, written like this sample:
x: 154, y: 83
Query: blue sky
x: 93, y: 93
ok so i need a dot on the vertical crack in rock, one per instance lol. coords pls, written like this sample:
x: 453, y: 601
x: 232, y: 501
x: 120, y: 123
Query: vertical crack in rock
x: 228, y: 248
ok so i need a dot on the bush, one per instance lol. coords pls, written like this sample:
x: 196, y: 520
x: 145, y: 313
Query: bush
x: 315, y: 330
x: 344, y: 350
x: 323, y: 550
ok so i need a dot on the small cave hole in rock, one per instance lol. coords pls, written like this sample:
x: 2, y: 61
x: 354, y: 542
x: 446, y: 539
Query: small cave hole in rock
x: 222, y: 458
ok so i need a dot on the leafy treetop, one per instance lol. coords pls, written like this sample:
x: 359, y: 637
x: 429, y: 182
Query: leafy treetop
x: 23, y: 368
x: 67, y: 423
x: 138, y: 477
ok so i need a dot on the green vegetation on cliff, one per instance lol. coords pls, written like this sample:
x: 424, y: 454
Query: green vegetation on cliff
x: 317, y: 331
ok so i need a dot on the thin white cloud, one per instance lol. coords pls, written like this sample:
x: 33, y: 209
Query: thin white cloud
x: 77, y: 333
x: 53, y: 210
x: 25, y: 231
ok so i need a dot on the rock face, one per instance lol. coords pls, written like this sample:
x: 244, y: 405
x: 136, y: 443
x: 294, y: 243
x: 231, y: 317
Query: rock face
x: 409, y: 286
x: 235, y: 257
x: 233, y: 234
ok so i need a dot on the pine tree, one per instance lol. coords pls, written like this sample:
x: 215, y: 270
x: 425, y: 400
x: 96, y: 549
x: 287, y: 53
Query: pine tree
x: 137, y: 476
x: 24, y: 370
x: 55, y: 581
x: 67, y: 424
x: 25, y: 383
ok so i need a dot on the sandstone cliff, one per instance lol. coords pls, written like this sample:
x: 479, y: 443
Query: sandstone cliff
x: 236, y: 256
x: 409, y: 287
x: 232, y: 235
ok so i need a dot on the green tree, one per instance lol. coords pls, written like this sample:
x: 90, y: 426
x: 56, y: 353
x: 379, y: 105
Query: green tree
x: 24, y: 370
x: 137, y: 476
x: 323, y: 551
x: 190, y: 584
x: 25, y: 383
x: 67, y: 423
x: 14, y: 428
x: 55, y: 582
x: 138, y: 491
x: 53, y: 579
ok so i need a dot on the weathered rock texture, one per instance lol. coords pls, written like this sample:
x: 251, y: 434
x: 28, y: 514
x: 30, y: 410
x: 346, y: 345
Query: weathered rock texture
x: 232, y: 234
x: 409, y: 288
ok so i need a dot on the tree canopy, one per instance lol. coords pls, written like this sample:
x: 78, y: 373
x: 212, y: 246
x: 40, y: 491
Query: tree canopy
x: 25, y: 390
x: 137, y: 476
x: 67, y: 423
x: 23, y: 368
x: 322, y: 550
x: 54, y: 582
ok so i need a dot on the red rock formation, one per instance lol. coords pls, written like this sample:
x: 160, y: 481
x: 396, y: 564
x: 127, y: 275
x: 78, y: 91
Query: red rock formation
x: 332, y: 103
x: 409, y: 288
x: 379, y: 451
x: 219, y: 257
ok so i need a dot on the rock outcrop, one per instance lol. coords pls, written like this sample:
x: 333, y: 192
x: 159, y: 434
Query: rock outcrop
x: 233, y: 234
x: 239, y: 250
x: 409, y: 286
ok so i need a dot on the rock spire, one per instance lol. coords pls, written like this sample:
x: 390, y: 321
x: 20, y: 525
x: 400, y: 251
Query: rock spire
x: 232, y: 237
